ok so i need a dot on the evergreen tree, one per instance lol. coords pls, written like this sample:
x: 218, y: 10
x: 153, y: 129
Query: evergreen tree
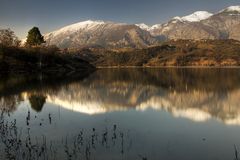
x: 34, y: 37
x: 37, y: 102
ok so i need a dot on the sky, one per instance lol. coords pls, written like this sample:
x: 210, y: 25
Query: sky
x: 49, y: 15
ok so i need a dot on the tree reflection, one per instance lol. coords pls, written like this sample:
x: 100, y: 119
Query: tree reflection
x: 37, y: 102
x: 185, y: 92
x: 9, y: 104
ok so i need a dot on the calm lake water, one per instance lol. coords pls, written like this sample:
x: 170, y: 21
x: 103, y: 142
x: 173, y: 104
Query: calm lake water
x: 122, y: 114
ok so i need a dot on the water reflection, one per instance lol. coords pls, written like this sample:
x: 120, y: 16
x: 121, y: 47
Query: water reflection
x: 10, y: 103
x: 37, y: 102
x: 122, y: 114
x: 196, y: 94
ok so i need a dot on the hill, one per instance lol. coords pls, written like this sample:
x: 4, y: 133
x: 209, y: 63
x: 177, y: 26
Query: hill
x: 171, y: 53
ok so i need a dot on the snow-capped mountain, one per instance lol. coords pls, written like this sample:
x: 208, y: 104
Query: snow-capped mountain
x: 197, y: 16
x: 86, y: 25
x: 162, y: 28
x: 100, y: 33
x: 202, y: 25
x: 224, y: 24
x: 155, y: 27
x: 232, y: 9
x: 143, y: 26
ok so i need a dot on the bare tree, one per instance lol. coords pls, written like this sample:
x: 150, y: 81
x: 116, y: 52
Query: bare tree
x: 8, y: 38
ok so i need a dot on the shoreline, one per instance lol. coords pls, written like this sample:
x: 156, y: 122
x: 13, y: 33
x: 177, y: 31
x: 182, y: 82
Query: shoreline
x: 122, y: 67
x: 72, y: 72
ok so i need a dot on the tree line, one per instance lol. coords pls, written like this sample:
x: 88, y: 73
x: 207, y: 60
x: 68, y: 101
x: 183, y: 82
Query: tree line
x: 9, y: 39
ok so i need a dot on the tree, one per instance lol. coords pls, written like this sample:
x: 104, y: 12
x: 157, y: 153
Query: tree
x: 37, y: 102
x: 8, y: 38
x: 34, y: 37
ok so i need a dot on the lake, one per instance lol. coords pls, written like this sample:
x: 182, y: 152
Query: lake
x: 122, y: 114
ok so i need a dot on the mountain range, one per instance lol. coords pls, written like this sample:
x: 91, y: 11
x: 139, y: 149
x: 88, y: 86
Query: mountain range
x: 224, y: 24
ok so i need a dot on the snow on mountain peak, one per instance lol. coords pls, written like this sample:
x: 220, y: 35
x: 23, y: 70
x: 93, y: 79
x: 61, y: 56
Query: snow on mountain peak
x: 156, y: 26
x: 197, y: 16
x: 143, y: 26
x: 77, y: 26
x: 176, y: 19
x: 82, y: 25
x: 233, y: 8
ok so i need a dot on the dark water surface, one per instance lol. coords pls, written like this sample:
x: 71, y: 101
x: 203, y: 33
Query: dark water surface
x: 122, y: 114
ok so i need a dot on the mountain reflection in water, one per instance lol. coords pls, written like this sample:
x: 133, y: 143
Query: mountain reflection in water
x: 142, y: 114
x: 196, y: 94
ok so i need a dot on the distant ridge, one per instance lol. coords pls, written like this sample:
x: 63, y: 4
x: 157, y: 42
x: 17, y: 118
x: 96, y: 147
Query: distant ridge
x: 224, y: 24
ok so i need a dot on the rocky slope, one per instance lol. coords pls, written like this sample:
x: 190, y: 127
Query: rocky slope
x: 202, y: 25
x: 101, y: 34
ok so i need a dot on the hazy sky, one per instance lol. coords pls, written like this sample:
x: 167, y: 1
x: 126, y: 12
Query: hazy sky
x: 48, y: 15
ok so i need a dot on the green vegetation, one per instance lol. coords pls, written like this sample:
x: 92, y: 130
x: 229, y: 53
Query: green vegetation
x: 34, y: 37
